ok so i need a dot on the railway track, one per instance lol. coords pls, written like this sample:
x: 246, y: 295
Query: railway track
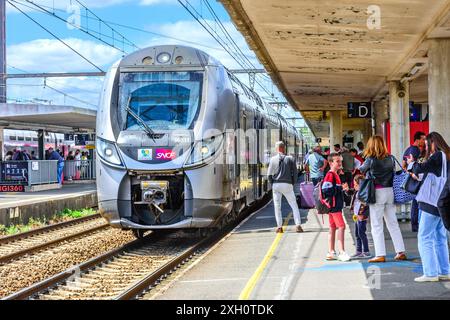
x: 16, y: 246
x: 127, y: 272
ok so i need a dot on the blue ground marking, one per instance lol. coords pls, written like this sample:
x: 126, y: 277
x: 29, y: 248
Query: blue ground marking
x: 358, y: 265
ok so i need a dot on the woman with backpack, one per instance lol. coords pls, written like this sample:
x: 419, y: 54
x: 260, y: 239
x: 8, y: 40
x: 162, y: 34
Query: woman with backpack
x: 381, y: 166
x: 432, y: 236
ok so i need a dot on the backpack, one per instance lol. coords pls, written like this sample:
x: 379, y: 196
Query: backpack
x: 322, y: 206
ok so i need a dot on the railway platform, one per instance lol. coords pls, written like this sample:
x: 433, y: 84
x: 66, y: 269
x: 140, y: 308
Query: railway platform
x: 254, y: 262
x: 20, y: 207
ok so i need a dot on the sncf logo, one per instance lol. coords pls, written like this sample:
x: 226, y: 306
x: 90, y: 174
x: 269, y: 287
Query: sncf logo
x: 165, y: 154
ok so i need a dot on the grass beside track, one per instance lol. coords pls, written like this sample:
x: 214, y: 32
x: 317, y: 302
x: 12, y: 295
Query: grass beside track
x: 65, y: 215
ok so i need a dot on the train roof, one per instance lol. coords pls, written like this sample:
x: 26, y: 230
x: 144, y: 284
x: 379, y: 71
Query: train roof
x: 168, y: 55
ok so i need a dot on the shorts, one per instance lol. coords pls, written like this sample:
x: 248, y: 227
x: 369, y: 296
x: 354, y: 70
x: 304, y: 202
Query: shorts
x: 336, y: 220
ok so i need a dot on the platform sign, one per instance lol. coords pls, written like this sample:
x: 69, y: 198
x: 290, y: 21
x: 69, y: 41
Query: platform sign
x: 359, y: 110
x: 35, y: 166
x: 15, y: 171
x: 81, y: 139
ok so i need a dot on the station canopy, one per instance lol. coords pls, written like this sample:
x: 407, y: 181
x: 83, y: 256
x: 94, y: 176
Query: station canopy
x: 64, y: 119
x: 323, y: 54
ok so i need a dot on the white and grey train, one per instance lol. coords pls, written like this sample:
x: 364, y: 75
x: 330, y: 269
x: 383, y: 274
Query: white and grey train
x: 181, y: 142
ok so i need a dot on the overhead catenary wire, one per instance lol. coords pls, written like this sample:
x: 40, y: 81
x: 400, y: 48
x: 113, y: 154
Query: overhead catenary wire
x: 195, y: 14
x: 55, y: 36
x: 49, y: 80
x: 53, y: 88
x: 92, y: 33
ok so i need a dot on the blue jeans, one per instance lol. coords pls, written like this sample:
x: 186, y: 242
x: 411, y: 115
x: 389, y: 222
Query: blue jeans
x: 362, y: 244
x: 60, y: 171
x: 433, y: 247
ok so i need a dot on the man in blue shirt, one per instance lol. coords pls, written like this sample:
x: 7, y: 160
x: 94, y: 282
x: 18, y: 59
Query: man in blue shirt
x: 53, y: 155
x: 315, y: 165
x: 415, y: 151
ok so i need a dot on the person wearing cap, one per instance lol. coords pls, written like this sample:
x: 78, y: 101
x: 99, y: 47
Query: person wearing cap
x: 283, y: 175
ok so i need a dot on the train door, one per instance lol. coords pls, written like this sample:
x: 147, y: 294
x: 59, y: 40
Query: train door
x: 256, y: 158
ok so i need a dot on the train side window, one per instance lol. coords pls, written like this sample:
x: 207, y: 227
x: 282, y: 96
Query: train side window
x: 21, y: 138
x: 13, y: 138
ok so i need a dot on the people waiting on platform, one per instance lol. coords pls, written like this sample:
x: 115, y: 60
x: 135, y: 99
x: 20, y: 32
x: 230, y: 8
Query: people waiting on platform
x: 333, y: 192
x: 381, y: 166
x: 416, y: 151
x: 33, y: 155
x: 9, y: 156
x: 20, y: 155
x: 53, y: 155
x: 337, y: 148
x: 432, y: 235
x: 315, y: 165
x: 360, y: 146
x: 283, y: 175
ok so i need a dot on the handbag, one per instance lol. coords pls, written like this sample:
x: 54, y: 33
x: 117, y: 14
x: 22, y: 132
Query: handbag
x: 366, y: 192
x: 433, y: 185
x: 401, y: 195
x: 411, y: 185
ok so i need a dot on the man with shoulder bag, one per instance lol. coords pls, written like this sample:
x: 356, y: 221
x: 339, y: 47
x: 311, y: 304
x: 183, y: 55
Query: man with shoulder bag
x: 283, y: 175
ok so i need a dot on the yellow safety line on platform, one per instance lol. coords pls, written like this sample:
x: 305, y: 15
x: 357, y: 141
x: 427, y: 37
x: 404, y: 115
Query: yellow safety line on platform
x: 245, y: 294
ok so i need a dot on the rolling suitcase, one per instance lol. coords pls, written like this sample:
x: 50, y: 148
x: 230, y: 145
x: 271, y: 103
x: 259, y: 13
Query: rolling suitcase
x: 307, y: 195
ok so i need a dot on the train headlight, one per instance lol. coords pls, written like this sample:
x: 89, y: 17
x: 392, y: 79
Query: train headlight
x: 163, y: 57
x: 203, y: 150
x: 107, y: 151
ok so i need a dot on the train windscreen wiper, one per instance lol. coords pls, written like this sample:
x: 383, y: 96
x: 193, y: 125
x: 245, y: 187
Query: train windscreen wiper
x: 141, y: 122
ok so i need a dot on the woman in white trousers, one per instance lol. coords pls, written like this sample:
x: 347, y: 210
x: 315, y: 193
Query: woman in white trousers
x: 382, y: 166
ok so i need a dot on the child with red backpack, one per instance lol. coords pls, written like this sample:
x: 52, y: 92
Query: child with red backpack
x: 332, y: 193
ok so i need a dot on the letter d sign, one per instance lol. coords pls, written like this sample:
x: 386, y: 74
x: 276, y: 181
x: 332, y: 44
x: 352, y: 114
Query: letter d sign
x: 363, y: 111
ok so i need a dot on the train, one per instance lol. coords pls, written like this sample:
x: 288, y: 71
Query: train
x: 182, y: 143
x: 28, y: 140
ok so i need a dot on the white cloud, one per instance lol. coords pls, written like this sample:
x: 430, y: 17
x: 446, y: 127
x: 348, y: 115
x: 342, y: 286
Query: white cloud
x: 48, y: 55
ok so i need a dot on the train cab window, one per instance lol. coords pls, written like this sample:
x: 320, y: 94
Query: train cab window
x: 163, y: 100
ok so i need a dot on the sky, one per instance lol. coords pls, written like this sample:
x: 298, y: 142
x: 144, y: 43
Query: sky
x: 141, y: 22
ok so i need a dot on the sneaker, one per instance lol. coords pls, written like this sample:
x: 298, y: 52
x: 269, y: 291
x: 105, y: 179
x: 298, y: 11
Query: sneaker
x: 357, y: 255
x: 444, y: 277
x: 299, y: 229
x: 367, y: 255
x: 426, y: 279
x: 331, y: 256
x: 279, y: 230
x: 343, y: 256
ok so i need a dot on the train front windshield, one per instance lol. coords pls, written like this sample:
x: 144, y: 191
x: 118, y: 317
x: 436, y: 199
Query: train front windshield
x: 163, y: 100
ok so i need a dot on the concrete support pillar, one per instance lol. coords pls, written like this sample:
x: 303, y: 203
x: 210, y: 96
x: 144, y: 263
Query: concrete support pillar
x: 399, y: 117
x: 2, y: 143
x: 381, y: 114
x: 439, y: 87
x: 41, y: 144
x: 335, y: 128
